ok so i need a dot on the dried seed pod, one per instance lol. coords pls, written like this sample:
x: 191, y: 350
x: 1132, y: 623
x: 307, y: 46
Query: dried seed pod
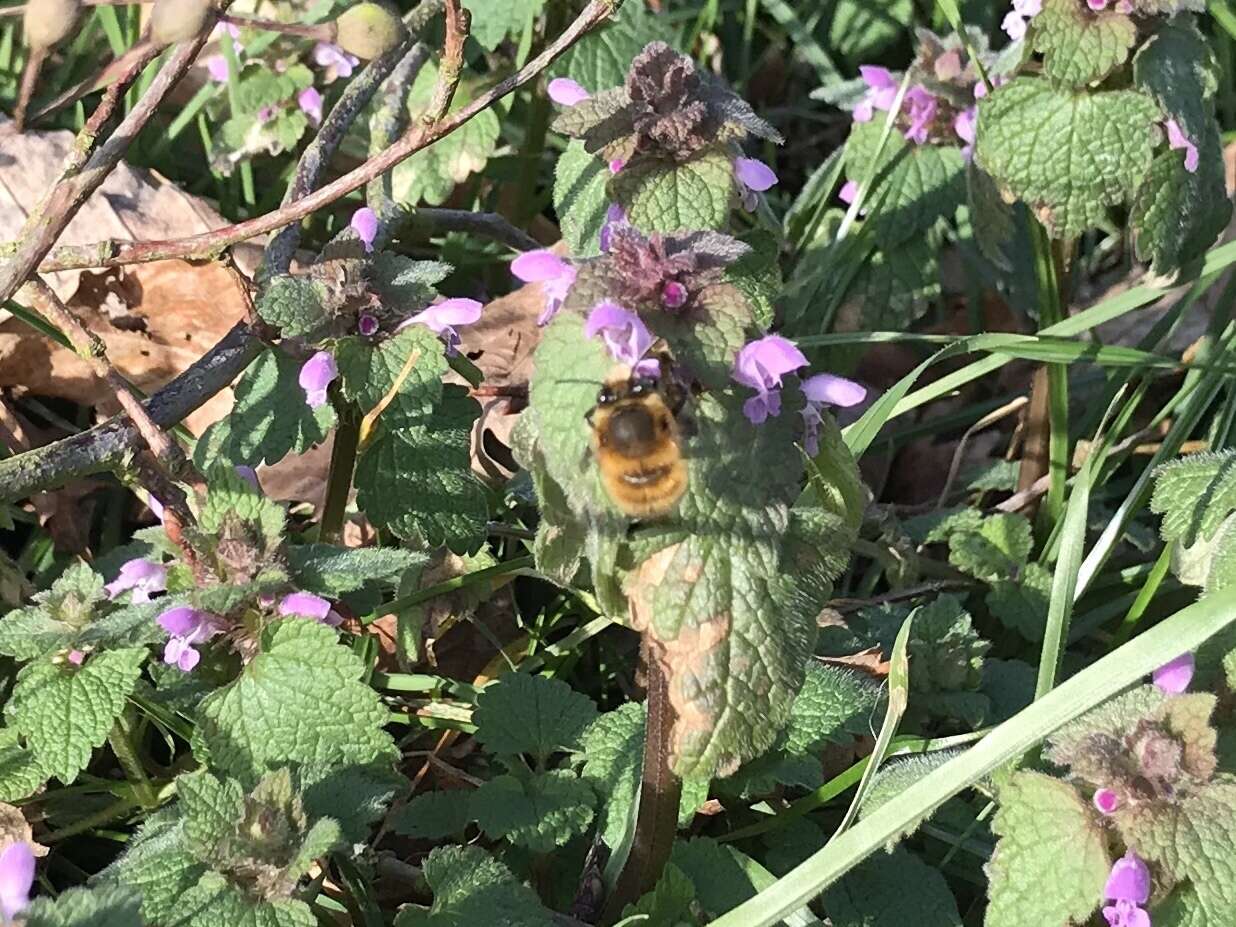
x: 178, y: 20
x: 368, y: 30
x: 48, y: 22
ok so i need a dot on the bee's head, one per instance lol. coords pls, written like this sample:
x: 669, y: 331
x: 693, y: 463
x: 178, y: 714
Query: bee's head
x: 633, y: 430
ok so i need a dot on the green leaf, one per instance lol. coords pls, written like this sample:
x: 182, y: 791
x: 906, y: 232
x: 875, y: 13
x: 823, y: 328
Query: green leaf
x: 332, y: 571
x: 835, y: 704
x: 418, y: 481
x: 580, y: 199
x: 893, y: 290
x: 1177, y: 67
x: 889, y: 890
x: 601, y: 59
x: 472, y: 888
x: 661, y: 196
x: 65, y: 712
x: 370, y: 372
x: 1042, y: 821
x: 434, y: 815
x: 1021, y: 604
x: 912, y: 187
x: 294, y: 305
x: 613, y: 748
x: 215, y: 902
x: 20, y: 771
x: 231, y: 496
x: 494, y: 21
x: 158, y: 865
x: 354, y: 796
x: 112, y: 906
x: 1196, y: 495
x: 270, y: 418
x: 212, y: 807
x: 859, y: 30
x: 404, y: 284
x: 669, y: 902
x: 997, y: 550
x: 1069, y: 155
x: 432, y: 173
x: 1081, y: 46
x: 522, y: 713
x: 899, y: 773
x: 540, y: 813
x: 298, y: 701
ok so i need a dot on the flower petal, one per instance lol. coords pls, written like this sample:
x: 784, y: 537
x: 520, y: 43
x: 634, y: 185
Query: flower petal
x: 1174, y: 676
x: 316, y: 375
x: 761, y: 363
x: 566, y: 92
x: 877, y: 78
x: 1129, y: 880
x: 310, y: 103
x: 834, y: 390
x: 365, y: 224
x: 305, y: 604
x: 16, y: 878
x: 180, y: 621
x: 537, y: 266
x: 848, y: 192
x: 754, y: 175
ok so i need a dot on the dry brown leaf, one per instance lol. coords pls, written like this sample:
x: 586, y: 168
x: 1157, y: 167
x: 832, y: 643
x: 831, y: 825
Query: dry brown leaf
x: 15, y: 828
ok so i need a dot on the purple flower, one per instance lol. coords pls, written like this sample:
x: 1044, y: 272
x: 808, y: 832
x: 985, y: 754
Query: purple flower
x: 1106, y: 801
x: 964, y: 126
x: 155, y: 506
x: 615, y: 216
x: 553, y: 273
x: 1176, y: 139
x: 625, y: 334
x: 1174, y: 676
x: 1128, y: 886
x: 16, y: 879
x: 821, y: 390
x: 673, y: 295
x: 307, y: 605
x: 1122, y: 6
x: 444, y: 316
x: 616, y: 165
x: 266, y: 114
x: 188, y: 627
x: 753, y: 177
x: 760, y: 365
x: 217, y: 68
x: 142, y: 576
x: 566, y: 92
x: 1019, y: 17
x: 365, y: 224
x: 76, y: 657
x: 921, y: 104
x: 316, y: 377
x: 310, y: 103
x: 367, y: 324
x: 326, y: 55
x: 848, y: 192
x: 881, y: 92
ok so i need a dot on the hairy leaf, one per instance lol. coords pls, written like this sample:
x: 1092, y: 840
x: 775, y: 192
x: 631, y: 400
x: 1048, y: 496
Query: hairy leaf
x: 662, y: 196
x: 580, y: 199
x: 113, y: 906
x: 294, y: 305
x: 1081, y: 46
x: 332, y: 571
x: 470, y: 888
x: 891, y: 889
x: 521, y: 713
x: 540, y: 813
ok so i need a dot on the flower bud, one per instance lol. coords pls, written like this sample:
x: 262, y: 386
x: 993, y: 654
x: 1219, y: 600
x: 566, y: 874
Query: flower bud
x: 368, y: 30
x: 178, y: 20
x: 48, y: 22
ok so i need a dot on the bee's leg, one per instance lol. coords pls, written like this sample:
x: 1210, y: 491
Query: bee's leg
x: 589, y: 414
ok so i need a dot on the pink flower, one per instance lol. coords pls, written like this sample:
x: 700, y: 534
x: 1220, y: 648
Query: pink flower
x: 566, y: 92
x: 753, y: 177
x: 444, y: 316
x: 1174, y: 676
x: 760, y: 365
x: 76, y: 657
x: 1176, y: 139
x: 367, y: 324
x: 881, y: 92
x: 310, y: 103
x: 1106, y: 801
x: 16, y: 879
x: 1128, y: 886
x: 188, y: 628
x: 921, y: 104
x: 624, y: 332
x: 330, y: 56
x: 553, y: 273
x: 1019, y: 17
x: 848, y: 192
x: 616, y: 165
x: 307, y: 605
x: 316, y: 376
x: 673, y: 295
x: 141, y: 576
x: 821, y: 390
x: 365, y: 224
x: 217, y: 68
x: 964, y: 125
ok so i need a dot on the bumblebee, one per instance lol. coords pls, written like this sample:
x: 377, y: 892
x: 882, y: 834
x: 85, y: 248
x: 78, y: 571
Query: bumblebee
x: 636, y: 441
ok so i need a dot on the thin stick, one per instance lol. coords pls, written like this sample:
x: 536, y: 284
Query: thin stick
x: 323, y: 32
x: 29, y: 80
x: 209, y: 244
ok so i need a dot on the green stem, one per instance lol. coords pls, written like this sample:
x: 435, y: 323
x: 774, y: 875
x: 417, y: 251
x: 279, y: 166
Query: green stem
x: 454, y: 584
x: 339, y: 479
x: 112, y: 812
x: 1145, y: 596
x: 1051, y: 258
x: 656, y: 822
x: 123, y: 741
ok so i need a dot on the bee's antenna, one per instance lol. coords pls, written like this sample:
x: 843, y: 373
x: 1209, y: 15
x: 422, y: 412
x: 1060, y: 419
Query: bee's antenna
x: 588, y: 382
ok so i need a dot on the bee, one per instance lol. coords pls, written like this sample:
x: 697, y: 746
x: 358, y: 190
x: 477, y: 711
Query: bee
x: 636, y: 441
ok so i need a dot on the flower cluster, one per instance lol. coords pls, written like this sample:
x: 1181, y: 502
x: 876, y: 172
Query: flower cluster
x: 666, y: 271
x: 940, y: 115
x: 554, y: 274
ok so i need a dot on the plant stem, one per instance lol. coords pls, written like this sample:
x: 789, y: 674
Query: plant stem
x: 339, y: 480
x: 122, y: 740
x: 115, y: 810
x: 660, y: 794
x: 323, y: 32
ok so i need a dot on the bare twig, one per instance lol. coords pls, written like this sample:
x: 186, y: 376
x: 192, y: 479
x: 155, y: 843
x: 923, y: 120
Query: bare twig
x: 105, y: 446
x: 91, y: 160
x: 483, y: 224
x: 209, y: 244
x: 322, y: 32
x: 29, y: 80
